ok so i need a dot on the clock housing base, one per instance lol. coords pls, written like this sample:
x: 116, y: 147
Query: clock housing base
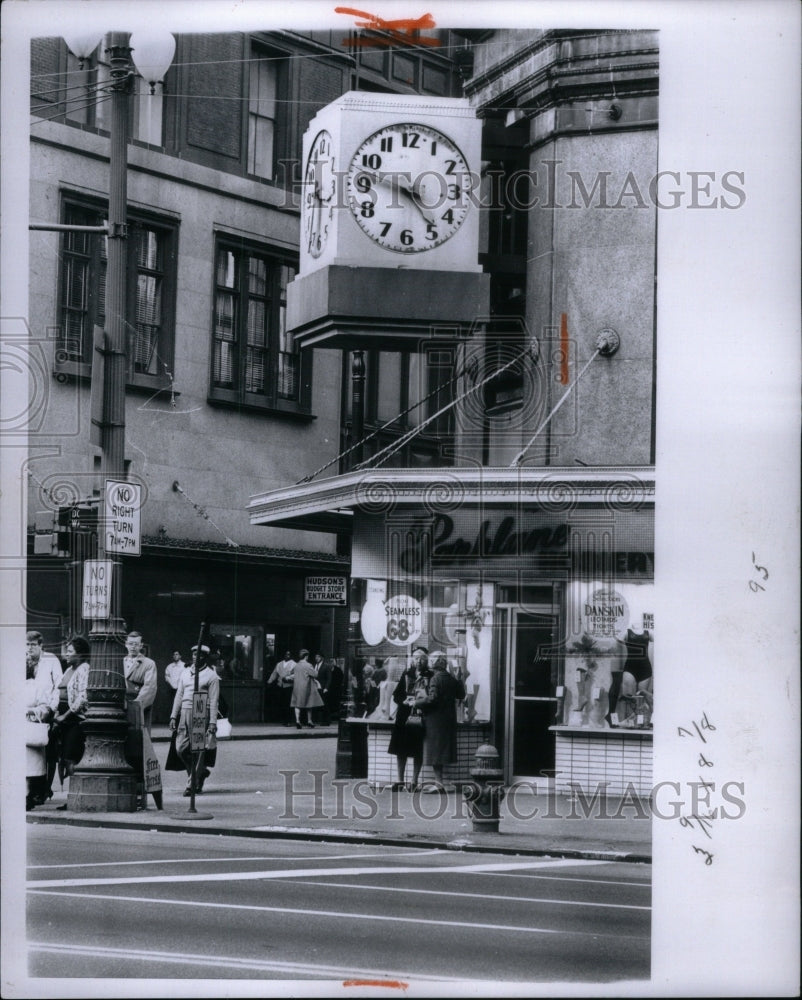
x: 360, y: 308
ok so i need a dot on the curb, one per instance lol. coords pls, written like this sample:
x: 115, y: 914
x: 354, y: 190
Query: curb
x: 338, y: 836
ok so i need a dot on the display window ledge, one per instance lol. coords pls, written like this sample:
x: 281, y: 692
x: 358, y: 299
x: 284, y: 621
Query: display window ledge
x: 389, y: 723
x: 603, y: 734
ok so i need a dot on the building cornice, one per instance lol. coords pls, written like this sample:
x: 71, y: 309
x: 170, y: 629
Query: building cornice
x: 329, y: 504
x: 262, y: 554
x: 562, y: 66
x: 155, y: 162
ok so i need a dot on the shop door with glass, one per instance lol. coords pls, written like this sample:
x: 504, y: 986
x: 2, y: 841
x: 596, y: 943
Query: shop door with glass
x: 532, y: 692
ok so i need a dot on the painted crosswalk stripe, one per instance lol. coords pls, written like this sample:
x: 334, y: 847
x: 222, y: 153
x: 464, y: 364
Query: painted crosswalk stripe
x: 334, y: 914
x: 251, y: 876
x: 291, y: 970
x: 474, y: 895
x: 226, y: 860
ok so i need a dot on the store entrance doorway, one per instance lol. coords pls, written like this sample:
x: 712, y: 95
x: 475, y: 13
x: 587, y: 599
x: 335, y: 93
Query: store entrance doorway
x: 532, y: 689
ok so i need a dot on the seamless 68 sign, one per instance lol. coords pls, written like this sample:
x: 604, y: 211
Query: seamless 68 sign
x: 404, y: 619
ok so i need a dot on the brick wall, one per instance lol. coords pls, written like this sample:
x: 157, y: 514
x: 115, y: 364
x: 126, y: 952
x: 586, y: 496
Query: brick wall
x: 382, y: 765
x: 587, y: 761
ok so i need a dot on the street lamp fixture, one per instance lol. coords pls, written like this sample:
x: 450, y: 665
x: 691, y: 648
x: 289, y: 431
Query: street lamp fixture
x: 82, y: 46
x: 152, y: 53
x: 104, y: 781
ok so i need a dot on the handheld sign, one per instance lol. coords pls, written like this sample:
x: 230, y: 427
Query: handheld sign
x: 197, y: 732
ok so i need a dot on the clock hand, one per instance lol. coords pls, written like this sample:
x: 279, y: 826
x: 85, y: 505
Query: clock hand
x: 398, y: 182
x: 315, y: 210
x: 417, y: 202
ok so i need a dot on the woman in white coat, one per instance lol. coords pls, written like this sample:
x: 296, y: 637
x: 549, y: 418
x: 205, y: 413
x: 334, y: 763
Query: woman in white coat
x: 42, y: 674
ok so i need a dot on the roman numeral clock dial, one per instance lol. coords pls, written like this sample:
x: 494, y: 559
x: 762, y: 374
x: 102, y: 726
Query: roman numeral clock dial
x: 408, y: 188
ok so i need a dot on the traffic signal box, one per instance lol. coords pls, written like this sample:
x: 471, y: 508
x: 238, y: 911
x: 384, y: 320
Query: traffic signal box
x: 62, y: 532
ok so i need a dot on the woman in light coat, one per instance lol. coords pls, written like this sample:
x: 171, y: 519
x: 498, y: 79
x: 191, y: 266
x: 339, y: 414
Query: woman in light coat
x: 305, y: 690
x: 42, y: 675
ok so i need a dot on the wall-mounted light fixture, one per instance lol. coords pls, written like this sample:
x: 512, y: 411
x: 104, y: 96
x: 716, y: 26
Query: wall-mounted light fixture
x: 607, y: 342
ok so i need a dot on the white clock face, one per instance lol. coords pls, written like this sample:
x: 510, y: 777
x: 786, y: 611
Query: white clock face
x: 319, y: 191
x: 409, y: 188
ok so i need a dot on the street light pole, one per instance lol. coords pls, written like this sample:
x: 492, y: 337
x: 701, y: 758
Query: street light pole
x: 103, y: 781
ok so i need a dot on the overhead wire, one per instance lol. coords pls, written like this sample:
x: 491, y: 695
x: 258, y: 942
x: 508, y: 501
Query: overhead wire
x: 395, y: 446
x: 522, y: 453
x: 465, y: 370
x: 68, y: 111
x: 282, y: 57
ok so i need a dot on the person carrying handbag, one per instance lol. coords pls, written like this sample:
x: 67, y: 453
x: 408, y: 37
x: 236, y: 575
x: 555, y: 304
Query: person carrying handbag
x: 42, y: 676
x: 407, y: 737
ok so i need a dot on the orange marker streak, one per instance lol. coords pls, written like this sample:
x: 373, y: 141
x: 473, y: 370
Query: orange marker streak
x: 393, y: 984
x: 564, y: 376
x: 402, y: 30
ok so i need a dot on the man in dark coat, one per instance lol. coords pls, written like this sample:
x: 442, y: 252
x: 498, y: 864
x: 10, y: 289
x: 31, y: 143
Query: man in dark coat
x: 439, y: 708
x: 331, y: 682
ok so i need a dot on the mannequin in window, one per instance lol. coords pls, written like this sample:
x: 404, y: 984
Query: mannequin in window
x: 633, y: 694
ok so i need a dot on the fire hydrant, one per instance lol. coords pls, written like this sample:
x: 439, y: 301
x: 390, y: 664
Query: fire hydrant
x: 486, y: 792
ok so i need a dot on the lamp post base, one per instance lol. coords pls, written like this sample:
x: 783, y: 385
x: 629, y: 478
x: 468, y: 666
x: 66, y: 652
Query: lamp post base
x: 99, y: 792
x: 104, y: 781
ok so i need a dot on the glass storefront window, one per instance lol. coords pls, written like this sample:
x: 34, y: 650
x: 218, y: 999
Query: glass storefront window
x: 239, y: 651
x: 392, y: 617
x: 609, y: 655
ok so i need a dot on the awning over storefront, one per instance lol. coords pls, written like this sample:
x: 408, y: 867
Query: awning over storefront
x: 330, y: 504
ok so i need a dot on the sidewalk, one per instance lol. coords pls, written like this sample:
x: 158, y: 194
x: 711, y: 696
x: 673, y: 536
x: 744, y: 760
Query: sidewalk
x: 288, y: 791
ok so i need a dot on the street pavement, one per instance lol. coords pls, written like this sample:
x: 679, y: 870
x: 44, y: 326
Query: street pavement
x: 274, y: 782
x: 428, y: 922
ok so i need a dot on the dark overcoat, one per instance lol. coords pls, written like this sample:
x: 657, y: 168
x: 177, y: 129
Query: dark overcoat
x: 405, y: 741
x: 439, y: 707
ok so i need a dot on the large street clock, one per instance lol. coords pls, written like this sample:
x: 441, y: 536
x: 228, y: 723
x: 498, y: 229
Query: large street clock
x: 391, y: 180
x: 408, y: 187
x: 389, y: 236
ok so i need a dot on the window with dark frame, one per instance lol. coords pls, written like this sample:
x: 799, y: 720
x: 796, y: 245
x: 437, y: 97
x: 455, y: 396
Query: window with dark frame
x: 267, y: 83
x: 151, y: 265
x: 254, y: 361
x: 393, y: 383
